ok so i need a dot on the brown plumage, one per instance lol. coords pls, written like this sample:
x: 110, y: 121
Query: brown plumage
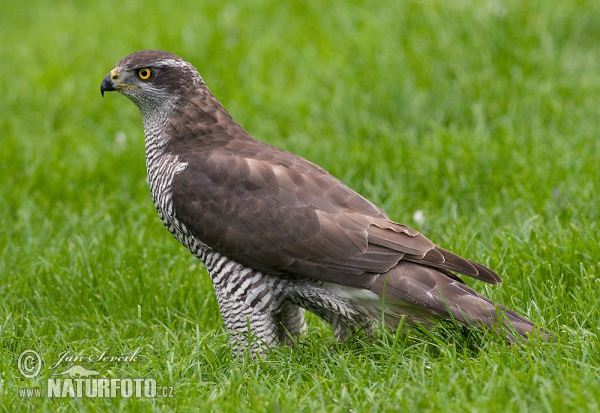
x: 277, y: 212
x: 286, y: 218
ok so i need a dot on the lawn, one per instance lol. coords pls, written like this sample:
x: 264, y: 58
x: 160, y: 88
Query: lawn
x: 482, y: 115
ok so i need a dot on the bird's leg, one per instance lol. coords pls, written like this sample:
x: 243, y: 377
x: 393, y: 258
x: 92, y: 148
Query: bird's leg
x: 248, y: 326
x: 340, y: 309
x: 290, y: 319
x: 253, y: 305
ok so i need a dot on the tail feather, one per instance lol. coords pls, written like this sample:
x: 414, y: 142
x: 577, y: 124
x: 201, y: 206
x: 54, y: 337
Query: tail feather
x: 422, y: 293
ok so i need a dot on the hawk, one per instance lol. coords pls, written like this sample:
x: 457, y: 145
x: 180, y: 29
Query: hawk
x: 278, y: 234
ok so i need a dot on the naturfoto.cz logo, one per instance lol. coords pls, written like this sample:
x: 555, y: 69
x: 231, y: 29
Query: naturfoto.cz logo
x: 78, y: 381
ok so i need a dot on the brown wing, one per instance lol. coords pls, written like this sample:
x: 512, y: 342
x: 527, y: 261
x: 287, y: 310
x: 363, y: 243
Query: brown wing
x: 278, y: 213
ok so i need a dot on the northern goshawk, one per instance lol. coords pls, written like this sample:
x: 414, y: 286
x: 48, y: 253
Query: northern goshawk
x: 279, y: 234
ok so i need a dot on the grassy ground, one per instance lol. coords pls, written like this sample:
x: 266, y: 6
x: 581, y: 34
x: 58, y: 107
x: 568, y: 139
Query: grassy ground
x: 484, y: 115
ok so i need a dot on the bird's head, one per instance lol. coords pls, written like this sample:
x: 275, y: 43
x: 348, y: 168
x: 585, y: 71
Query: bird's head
x: 152, y: 79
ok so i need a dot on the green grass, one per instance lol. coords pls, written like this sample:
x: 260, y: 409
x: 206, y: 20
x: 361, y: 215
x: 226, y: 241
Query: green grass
x: 485, y: 115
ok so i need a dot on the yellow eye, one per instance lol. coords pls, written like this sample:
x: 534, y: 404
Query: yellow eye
x: 144, y: 73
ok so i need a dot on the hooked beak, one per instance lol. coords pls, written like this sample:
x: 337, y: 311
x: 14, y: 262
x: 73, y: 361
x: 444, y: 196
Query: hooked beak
x: 110, y: 82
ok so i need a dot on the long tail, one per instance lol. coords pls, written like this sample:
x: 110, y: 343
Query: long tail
x: 419, y: 292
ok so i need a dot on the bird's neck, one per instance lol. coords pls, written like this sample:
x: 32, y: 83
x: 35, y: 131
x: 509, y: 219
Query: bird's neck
x: 154, y: 130
x: 162, y: 166
x: 197, y: 121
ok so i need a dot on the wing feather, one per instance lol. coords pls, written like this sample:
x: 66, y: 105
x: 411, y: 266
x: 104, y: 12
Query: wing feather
x: 279, y: 213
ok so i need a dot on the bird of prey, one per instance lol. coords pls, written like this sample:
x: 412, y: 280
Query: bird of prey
x: 278, y: 234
